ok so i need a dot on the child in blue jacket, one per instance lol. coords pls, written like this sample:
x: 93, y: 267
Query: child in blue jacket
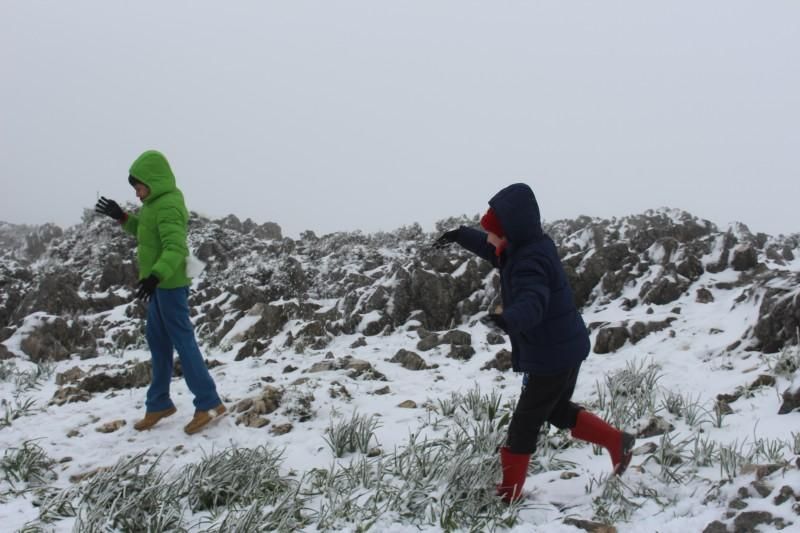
x: 549, y: 340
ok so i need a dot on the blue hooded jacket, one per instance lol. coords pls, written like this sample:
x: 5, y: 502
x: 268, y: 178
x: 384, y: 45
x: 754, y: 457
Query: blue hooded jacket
x: 547, y: 333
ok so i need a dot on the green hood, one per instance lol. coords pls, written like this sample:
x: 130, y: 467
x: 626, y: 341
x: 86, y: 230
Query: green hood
x: 152, y: 169
x: 160, y: 226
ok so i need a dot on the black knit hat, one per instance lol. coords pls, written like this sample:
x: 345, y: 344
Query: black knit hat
x: 133, y: 181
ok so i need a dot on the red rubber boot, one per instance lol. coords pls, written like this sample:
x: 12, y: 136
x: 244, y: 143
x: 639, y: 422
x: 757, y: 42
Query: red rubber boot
x: 515, y: 470
x: 619, y: 444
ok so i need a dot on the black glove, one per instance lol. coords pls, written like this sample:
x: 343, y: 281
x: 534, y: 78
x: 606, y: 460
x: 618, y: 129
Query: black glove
x: 110, y: 208
x: 146, y: 287
x: 446, y: 239
x: 494, y: 320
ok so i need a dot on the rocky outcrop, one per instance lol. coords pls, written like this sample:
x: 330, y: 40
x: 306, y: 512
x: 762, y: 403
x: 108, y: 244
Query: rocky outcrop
x: 77, y: 385
x: 779, y: 315
x: 55, y: 294
x: 791, y: 400
x: 258, y: 285
x: 501, y: 361
x: 611, y: 338
x: 745, y: 257
x: 666, y: 289
x: 5, y: 353
x: 56, y: 339
x: 409, y: 360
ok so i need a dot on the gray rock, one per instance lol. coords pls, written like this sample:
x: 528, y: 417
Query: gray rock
x: 57, y: 339
x: 495, y: 338
x: 728, y: 242
x: 613, y: 283
x: 273, y: 318
x: 70, y: 394
x: 501, y: 361
x: 409, y: 360
x: 136, y: 375
x: 428, y: 343
x: 267, y: 401
x: 610, y: 339
x: 773, y: 254
x: 5, y: 353
x: 73, y: 375
x: 252, y: 419
x: 656, y: 426
x: 243, y: 405
x: 744, y: 258
x: 761, y: 488
x: 361, y: 369
x: 56, y: 293
x: 251, y: 348
x: 738, y: 504
x: 639, y: 330
x: 665, y: 290
x: 704, y: 296
x: 785, y: 494
x: 716, y: 527
x: 281, y: 429
x: 268, y: 230
x: 590, y: 526
x: 606, y: 259
x: 37, y: 241
x: 690, y: 268
x: 791, y: 400
x: 118, y: 271
x: 376, y: 327
x: 323, y: 366
x: 457, y: 337
x: 231, y: 222
x: 110, y: 427
x: 778, y: 316
x: 748, y: 521
x: 461, y: 352
x: 213, y: 253
x: 358, y: 343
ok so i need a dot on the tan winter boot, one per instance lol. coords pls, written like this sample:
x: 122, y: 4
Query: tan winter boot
x: 151, y: 418
x: 203, y: 418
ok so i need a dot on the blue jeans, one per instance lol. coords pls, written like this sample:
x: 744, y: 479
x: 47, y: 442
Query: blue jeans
x: 168, y: 329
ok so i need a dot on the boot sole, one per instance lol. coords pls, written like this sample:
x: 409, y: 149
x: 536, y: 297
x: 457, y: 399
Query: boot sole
x: 628, y: 442
x: 159, y: 419
x: 201, y: 428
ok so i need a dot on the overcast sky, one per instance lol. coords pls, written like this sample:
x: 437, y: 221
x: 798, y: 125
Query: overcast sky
x: 343, y: 115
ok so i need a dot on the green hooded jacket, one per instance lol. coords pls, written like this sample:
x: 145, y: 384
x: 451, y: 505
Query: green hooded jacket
x: 161, y: 224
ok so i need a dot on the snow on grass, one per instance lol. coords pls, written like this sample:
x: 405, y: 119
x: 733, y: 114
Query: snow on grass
x: 690, y: 358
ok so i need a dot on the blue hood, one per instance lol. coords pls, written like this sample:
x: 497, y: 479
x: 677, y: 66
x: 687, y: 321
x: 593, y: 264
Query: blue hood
x: 518, y: 212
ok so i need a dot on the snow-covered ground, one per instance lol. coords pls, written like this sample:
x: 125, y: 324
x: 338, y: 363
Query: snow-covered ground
x: 681, y: 479
x: 688, y: 363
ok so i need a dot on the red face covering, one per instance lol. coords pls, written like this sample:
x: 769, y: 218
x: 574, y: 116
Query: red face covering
x: 491, y: 223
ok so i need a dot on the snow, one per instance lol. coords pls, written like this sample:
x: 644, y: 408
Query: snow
x: 692, y: 356
x: 684, y: 360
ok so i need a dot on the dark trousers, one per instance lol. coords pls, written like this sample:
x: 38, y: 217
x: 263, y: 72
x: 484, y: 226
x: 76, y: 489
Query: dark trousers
x: 543, y: 399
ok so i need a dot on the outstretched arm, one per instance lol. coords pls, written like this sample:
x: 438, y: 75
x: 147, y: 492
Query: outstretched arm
x: 110, y: 208
x: 131, y: 223
x: 475, y: 241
